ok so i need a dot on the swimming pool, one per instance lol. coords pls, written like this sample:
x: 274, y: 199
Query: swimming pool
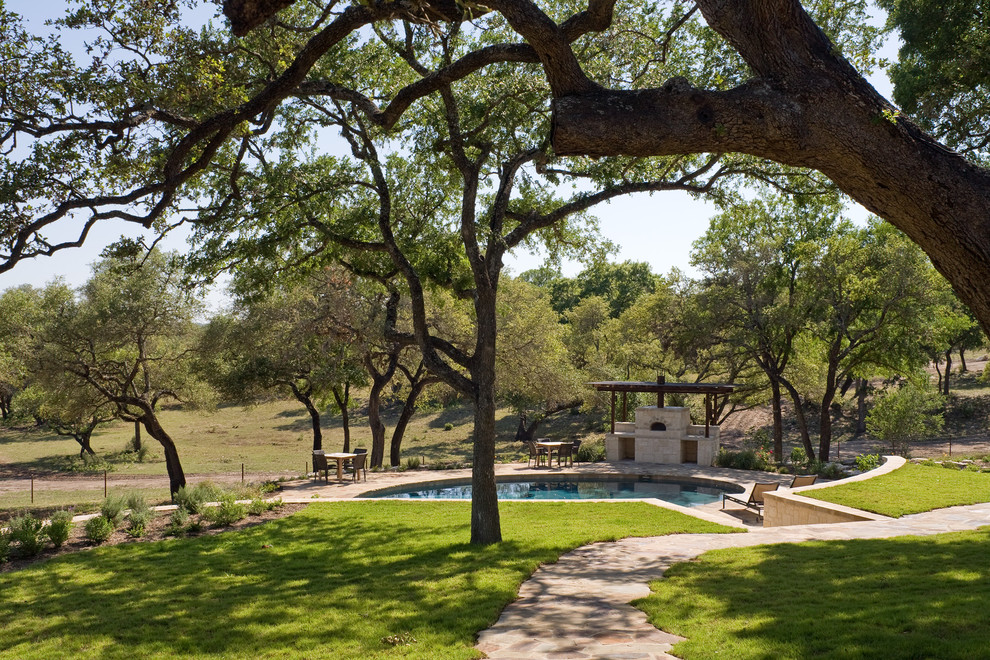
x: 573, y: 487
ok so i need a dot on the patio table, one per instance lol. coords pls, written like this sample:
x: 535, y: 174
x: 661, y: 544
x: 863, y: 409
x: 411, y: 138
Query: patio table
x: 340, y: 457
x: 551, y: 446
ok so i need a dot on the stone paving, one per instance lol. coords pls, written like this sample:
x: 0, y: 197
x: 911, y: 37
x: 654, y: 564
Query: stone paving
x: 579, y: 607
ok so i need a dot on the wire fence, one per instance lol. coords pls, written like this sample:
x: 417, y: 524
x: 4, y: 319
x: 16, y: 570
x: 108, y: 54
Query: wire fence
x: 61, y: 490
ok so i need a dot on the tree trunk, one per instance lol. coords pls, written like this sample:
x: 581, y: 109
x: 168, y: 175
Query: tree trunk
x: 176, y: 477
x: 137, y: 436
x: 378, y: 382
x: 962, y: 360
x: 778, y: 420
x: 825, y: 423
x: 314, y: 415
x: 948, y: 370
x: 343, y: 399
x: 802, y: 419
x: 408, y: 408
x: 862, y: 389
x: 486, y: 526
x: 83, y: 438
x: 522, y: 432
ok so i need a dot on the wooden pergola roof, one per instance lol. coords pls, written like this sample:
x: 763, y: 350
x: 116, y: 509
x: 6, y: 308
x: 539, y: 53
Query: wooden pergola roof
x: 660, y: 387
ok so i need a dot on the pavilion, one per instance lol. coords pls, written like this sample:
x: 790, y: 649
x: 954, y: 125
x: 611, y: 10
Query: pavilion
x: 663, y: 434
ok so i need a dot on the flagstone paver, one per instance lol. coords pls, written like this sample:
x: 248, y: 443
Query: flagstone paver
x: 579, y: 606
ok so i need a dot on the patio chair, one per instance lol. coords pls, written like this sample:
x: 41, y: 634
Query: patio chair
x: 320, y: 463
x: 348, y: 463
x: 755, y: 499
x: 536, y: 453
x: 803, y: 480
x: 577, y: 445
x: 565, y: 453
x: 359, y: 464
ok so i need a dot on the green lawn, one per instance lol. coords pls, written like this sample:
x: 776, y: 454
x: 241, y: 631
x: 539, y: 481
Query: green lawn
x: 909, y: 597
x: 332, y: 581
x: 910, y: 489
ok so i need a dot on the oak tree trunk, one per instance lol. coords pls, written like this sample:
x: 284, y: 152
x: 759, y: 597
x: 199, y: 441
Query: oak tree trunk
x: 486, y: 526
x: 343, y: 399
x: 778, y: 421
x: 176, y: 477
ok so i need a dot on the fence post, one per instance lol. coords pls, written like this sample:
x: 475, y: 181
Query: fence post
x: 104, y: 484
x: 242, y: 472
x: 32, y: 489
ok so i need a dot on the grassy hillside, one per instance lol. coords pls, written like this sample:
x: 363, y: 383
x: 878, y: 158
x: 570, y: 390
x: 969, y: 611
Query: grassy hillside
x: 270, y: 438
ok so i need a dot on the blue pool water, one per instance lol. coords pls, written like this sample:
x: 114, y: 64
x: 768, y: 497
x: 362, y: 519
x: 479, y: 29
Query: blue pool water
x: 684, y: 493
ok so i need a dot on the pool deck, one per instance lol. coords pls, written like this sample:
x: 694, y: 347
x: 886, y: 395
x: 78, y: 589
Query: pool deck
x: 318, y: 490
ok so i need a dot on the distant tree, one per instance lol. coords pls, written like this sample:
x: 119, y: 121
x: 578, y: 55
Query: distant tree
x: 298, y: 339
x: 68, y: 409
x: 752, y: 258
x: 129, y: 338
x: 873, y: 292
x: 906, y: 414
x: 942, y: 73
x: 587, y: 338
x: 21, y: 310
x: 533, y: 372
x: 953, y: 328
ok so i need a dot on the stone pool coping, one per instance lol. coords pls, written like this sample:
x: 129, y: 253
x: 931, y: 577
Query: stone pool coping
x: 789, y: 507
x: 319, y: 490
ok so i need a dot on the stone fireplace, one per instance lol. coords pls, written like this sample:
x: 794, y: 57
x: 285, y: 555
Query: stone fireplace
x: 662, y: 435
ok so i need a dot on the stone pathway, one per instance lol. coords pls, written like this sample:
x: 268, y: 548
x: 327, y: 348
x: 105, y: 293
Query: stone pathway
x: 579, y: 606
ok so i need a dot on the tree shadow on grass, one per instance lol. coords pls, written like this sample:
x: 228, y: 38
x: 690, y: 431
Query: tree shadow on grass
x: 909, y: 597
x: 328, y: 582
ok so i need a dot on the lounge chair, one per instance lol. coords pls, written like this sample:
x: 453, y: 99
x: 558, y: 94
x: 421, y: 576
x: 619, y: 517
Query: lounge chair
x: 755, y: 499
x: 803, y: 480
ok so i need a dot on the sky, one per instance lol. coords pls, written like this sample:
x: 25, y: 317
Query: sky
x: 658, y: 229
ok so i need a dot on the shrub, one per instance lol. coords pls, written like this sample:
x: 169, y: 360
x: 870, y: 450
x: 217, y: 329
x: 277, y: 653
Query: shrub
x: 799, y: 456
x: 258, y: 506
x: 177, y: 522
x: 758, y: 439
x: 25, y: 532
x: 907, y: 414
x: 740, y: 460
x: 826, y: 470
x: 113, y: 509
x: 764, y: 458
x: 138, y: 517
x: 591, y: 452
x: 58, y: 528
x: 192, y: 499
x: 99, y: 529
x: 868, y: 462
x: 412, y: 463
x: 4, y: 546
x: 449, y: 426
x: 226, y: 513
